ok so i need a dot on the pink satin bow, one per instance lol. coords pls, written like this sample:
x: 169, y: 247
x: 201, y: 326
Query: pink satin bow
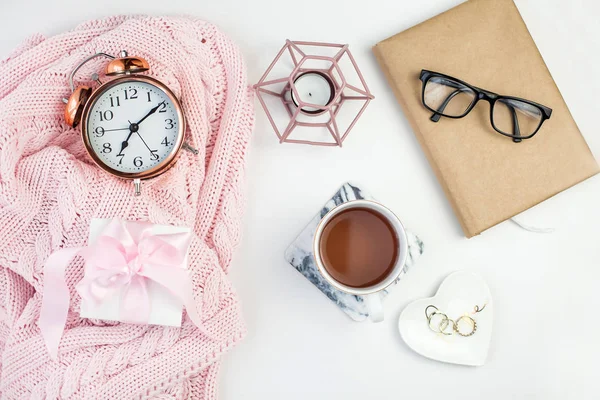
x: 122, y: 260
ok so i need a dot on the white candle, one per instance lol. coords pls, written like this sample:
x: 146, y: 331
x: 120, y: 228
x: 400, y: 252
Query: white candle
x: 314, y: 88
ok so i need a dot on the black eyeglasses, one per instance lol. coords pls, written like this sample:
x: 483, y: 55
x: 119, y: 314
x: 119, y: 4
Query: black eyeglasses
x: 511, y: 116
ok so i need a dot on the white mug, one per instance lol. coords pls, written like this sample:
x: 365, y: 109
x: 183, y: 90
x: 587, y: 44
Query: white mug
x: 371, y: 294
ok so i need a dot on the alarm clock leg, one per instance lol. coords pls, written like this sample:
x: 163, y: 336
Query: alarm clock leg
x: 137, y: 184
x: 186, y: 146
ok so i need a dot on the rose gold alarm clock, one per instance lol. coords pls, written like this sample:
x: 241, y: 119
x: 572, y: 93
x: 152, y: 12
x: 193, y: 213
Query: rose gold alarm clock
x: 132, y: 126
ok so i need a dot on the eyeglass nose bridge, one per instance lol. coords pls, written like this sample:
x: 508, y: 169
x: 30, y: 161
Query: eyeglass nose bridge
x: 486, y: 95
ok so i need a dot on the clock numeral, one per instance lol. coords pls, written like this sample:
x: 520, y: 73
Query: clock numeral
x: 165, y: 142
x: 99, y: 131
x: 138, y: 161
x: 154, y: 155
x: 106, y: 148
x: 115, y: 100
x: 121, y: 160
x: 130, y: 93
x: 169, y: 123
x: 106, y: 115
x: 162, y: 108
x: 149, y: 99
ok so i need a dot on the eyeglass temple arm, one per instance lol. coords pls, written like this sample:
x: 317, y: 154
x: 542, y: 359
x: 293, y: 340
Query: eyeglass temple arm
x: 515, y: 123
x: 437, y: 115
x: 516, y: 131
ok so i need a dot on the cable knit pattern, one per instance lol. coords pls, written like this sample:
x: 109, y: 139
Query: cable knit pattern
x: 50, y: 190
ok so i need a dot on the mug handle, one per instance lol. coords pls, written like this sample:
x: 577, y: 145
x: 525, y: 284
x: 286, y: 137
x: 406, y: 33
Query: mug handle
x: 375, y: 306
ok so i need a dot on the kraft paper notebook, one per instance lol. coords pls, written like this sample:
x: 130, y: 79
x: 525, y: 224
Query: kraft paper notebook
x: 486, y: 177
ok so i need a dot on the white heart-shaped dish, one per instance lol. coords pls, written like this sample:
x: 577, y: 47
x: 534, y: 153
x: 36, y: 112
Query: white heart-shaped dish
x: 458, y: 295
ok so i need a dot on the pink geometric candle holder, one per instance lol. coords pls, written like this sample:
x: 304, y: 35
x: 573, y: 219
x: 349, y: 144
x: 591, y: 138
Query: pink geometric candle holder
x: 313, y: 93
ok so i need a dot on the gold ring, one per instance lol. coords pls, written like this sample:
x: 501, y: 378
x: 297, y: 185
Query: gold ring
x: 427, y: 315
x: 444, y: 321
x: 473, y: 326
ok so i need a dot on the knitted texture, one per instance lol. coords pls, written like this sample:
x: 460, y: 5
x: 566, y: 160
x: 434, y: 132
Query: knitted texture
x: 50, y: 190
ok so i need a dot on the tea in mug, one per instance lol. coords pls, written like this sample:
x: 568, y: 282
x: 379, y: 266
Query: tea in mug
x: 359, y: 247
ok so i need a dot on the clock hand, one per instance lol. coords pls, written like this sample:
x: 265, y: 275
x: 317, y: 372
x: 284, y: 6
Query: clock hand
x: 146, y: 144
x: 120, y: 129
x: 125, y: 143
x: 152, y: 111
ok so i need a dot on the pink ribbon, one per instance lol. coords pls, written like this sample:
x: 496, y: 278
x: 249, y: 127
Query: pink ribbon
x: 122, y: 260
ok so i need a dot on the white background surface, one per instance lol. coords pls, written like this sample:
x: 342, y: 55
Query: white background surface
x: 546, y: 342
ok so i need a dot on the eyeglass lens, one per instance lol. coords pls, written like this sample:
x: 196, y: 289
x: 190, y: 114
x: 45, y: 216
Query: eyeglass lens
x: 448, y: 97
x: 516, y: 118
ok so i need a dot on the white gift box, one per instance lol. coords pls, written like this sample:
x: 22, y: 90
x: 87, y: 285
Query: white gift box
x: 165, y: 308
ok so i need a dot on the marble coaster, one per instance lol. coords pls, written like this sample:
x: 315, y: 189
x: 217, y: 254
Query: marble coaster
x: 300, y: 255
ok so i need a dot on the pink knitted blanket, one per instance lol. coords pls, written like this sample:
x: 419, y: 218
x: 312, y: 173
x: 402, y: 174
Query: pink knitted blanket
x: 50, y: 190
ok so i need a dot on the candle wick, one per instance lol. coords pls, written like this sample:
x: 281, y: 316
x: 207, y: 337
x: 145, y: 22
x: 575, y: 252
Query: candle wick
x: 310, y: 94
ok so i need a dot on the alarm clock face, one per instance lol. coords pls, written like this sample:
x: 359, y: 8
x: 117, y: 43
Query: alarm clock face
x: 133, y: 127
